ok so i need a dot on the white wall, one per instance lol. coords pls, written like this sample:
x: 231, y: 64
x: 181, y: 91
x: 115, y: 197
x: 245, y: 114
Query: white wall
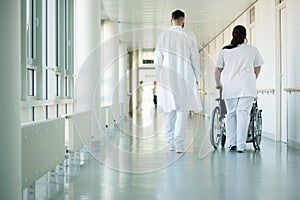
x: 123, y: 88
x: 266, y: 43
x: 108, y: 81
x: 293, y: 60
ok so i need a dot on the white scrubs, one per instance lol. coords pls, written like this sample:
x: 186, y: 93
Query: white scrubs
x: 239, y: 89
x: 175, y: 127
x: 238, y: 116
x: 140, y: 97
x: 176, y: 60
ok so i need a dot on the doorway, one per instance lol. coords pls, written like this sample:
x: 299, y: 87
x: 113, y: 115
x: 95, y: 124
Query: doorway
x: 281, y: 80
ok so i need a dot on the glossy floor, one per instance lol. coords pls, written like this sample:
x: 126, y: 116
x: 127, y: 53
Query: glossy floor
x: 132, y: 162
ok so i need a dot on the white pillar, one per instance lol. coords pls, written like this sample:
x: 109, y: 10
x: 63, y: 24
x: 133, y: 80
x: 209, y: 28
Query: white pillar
x: 87, y: 58
x: 10, y: 62
x: 123, y: 90
x: 135, y: 77
x: 110, y: 70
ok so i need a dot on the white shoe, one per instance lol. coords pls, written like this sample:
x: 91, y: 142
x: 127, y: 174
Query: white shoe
x: 179, y: 150
x: 171, y: 147
x: 240, y: 151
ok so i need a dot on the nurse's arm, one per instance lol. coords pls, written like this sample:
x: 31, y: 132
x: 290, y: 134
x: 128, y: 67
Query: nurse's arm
x: 218, y: 76
x: 257, y: 71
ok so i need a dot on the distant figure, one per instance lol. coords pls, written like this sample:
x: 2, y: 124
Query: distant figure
x: 154, y: 95
x: 140, y: 91
x: 178, y: 72
x: 239, y: 65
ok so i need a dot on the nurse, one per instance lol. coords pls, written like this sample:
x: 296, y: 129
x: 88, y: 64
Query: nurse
x: 177, y: 69
x: 239, y: 65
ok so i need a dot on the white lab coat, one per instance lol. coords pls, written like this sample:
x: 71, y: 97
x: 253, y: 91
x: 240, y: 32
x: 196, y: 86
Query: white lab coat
x: 177, y: 68
x: 238, y: 78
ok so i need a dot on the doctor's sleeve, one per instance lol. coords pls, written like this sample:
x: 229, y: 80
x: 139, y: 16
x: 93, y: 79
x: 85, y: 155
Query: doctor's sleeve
x: 158, y: 53
x: 158, y: 57
x: 195, y: 58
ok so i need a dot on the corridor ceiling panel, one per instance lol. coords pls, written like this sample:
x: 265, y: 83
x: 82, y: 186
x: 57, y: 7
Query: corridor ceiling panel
x: 141, y: 21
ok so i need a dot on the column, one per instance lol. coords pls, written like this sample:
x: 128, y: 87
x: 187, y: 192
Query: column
x: 87, y: 59
x: 110, y: 71
x: 10, y: 62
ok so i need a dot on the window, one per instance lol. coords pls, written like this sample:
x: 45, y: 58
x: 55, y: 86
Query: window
x: 66, y: 86
x: 53, y: 42
x: 67, y: 41
x: 31, y: 31
x: 31, y: 80
x: 58, y: 18
x: 57, y: 85
x: 252, y: 15
x: 47, y: 50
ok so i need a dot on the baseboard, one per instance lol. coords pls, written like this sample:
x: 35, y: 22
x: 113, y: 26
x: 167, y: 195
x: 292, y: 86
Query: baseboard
x: 293, y: 143
x: 269, y: 136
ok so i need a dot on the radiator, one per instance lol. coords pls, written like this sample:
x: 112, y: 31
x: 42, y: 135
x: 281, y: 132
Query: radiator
x: 79, y: 130
x: 43, y: 148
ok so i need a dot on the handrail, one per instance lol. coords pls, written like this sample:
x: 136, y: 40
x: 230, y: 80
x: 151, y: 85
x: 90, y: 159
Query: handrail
x: 290, y: 90
x: 267, y: 91
x: 37, y: 103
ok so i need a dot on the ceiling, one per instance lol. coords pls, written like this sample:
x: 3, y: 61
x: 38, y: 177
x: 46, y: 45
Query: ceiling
x: 141, y: 21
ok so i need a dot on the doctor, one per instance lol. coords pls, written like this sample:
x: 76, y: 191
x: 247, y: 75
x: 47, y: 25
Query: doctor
x: 177, y: 68
x: 239, y: 65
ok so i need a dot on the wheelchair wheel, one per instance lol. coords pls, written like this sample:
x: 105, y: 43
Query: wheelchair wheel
x: 223, y: 139
x: 215, y: 128
x: 257, y: 130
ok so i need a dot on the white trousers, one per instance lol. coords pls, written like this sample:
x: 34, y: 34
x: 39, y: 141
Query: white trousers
x: 237, y: 121
x: 175, y: 126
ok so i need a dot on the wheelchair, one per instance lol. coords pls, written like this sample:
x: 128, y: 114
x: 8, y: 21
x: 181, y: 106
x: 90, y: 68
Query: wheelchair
x: 218, y: 130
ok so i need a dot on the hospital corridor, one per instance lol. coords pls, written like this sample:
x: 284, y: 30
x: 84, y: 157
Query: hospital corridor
x: 120, y: 99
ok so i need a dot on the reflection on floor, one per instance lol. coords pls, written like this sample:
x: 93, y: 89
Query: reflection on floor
x: 134, y: 163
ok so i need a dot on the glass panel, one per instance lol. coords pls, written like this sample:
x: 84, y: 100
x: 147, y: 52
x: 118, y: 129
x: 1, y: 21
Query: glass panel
x: 66, y: 34
x: 30, y: 31
x: 66, y: 86
x: 47, y: 112
x: 57, y: 85
x: 52, y: 33
x: 57, y: 33
x: 252, y: 15
x: 30, y: 82
x: 57, y: 110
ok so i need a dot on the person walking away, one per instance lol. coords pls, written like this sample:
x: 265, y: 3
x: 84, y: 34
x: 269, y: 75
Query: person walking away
x: 154, y: 95
x: 176, y: 60
x: 239, y: 65
x: 140, y: 96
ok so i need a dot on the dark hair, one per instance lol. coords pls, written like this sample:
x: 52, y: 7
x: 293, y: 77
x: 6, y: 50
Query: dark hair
x: 238, y: 37
x: 177, y: 14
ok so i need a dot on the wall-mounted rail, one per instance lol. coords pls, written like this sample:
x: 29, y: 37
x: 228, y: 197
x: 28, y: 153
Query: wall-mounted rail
x: 266, y: 91
x: 290, y: 90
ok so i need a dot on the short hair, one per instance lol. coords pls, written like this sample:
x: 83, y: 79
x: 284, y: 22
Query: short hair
x: 177, y: 14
